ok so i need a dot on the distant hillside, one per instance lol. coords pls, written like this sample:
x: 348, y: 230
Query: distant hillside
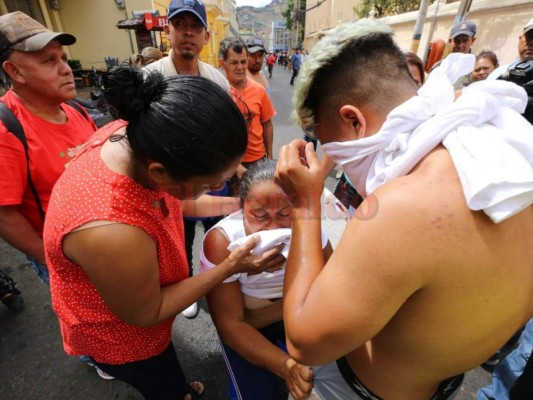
x: 258, y: 21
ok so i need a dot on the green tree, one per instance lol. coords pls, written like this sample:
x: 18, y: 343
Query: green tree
x: 386, y: 7
x: 294, y: 17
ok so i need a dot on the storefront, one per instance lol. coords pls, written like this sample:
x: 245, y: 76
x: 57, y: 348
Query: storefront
x: 148, y: 29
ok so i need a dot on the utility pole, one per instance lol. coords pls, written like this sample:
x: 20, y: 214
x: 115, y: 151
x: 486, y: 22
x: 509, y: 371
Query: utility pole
x: 419, y: 27
x: 297, y: 12
x: 462, y: 11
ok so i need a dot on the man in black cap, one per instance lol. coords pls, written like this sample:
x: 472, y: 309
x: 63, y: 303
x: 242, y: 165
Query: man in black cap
x: 33, y: 59
x: 256, y: 60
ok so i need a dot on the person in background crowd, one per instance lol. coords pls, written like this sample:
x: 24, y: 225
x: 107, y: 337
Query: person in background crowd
x: 416, y: 67
x: 252, y: 100
x: 462, y: 38
x: 486, y: 62
x: 114, y: 234
x: 296, y: 63
x: 147, y: 56
x: 525, y: 51
x: 247, y: 309
x: 41, y: 83
x: 256, y: 60
x: 271, y: 61
x: 187, y: 29
x: 443, y: 233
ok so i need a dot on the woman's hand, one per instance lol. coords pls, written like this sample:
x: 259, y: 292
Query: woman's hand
x: 242, y: 260
x: 299, y: 379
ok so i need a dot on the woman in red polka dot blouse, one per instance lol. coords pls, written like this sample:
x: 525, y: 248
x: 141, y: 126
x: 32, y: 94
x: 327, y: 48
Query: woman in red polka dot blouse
x: 114, y: 233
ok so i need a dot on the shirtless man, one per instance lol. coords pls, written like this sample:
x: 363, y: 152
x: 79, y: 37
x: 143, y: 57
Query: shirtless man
x: 420, y: 288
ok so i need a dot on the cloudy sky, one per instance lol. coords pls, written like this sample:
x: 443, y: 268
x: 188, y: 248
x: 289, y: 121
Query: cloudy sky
x: 255, y: 3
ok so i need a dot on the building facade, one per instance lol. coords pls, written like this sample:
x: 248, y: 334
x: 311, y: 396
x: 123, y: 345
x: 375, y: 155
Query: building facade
x: 499, y: 23
x: 94, y: 23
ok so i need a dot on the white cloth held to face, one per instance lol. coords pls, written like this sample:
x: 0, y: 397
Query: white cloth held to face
x: 268, y: 240
x: 490, y: 143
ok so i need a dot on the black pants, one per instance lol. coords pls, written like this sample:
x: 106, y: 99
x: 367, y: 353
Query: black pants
x: 523, y: 387
x: 294, y: 74
x: 157, y: 378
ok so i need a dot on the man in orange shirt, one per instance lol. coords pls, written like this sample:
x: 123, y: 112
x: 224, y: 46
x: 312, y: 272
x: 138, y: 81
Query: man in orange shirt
x: 252, y: 99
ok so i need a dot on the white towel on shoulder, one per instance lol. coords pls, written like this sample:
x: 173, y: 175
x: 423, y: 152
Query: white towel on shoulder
x: 490, y: 143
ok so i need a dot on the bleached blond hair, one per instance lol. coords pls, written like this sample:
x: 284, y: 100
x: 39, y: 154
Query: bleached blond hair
x: 323, y: 54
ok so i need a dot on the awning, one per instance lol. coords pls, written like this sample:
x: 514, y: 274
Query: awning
x: 134, y: 23
x: 149, y: 22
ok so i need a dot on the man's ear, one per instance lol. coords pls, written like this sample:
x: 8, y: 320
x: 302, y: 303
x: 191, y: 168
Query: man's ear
x: 13, y: 71
x: 207, y: 37
x: 353, y: 121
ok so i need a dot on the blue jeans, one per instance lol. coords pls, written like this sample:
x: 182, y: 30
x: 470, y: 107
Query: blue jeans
x: 40, y: 269
x: 507, y: 371
x: 250, y: 382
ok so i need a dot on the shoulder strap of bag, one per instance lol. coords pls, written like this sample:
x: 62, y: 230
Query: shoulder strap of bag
x: 14, y: 126
x: 77, y: 106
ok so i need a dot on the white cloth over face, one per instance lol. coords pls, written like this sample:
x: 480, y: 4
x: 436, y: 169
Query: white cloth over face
x: 268, y: 240
x: 266, y: 285
x: 490, y: 143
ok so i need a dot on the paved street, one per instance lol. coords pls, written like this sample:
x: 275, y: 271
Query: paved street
x: 34, y: 366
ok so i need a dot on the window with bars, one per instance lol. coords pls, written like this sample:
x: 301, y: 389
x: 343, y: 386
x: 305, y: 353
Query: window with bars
x: 29, y: 7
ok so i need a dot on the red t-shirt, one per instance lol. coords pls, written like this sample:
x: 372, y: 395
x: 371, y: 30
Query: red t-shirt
x: 256, y: 107
x: 51, y: 147
x: 90, y: 191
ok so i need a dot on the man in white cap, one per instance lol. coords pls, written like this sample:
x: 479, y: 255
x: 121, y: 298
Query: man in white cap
x: 525, y: 51
x: 187, y: 29
x: 33, y: 59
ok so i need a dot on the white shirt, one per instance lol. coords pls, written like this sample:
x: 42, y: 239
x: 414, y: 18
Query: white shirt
x: 167, y: 68
x: 266, y: 285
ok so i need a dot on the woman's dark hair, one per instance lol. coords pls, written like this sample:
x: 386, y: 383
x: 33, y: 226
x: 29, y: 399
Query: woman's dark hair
x: 489, y: 55
x: 261, y: 171
x: 413, y: 59
x: 187, y: 123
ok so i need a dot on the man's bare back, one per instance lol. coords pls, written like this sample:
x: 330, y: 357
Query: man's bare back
x: 475, y: 281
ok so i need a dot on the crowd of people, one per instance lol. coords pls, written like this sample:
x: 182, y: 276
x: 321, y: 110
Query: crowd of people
x: 431, y: 277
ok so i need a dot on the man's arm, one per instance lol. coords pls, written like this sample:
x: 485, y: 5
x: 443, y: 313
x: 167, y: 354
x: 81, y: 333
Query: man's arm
x: 210, y: 206
x: 268, y: 137
x: 16, y: 230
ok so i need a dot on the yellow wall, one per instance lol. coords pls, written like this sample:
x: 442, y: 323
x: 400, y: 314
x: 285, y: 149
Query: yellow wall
x: 325, y: 17
x: 217, y: 29
x: 94, y: 25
